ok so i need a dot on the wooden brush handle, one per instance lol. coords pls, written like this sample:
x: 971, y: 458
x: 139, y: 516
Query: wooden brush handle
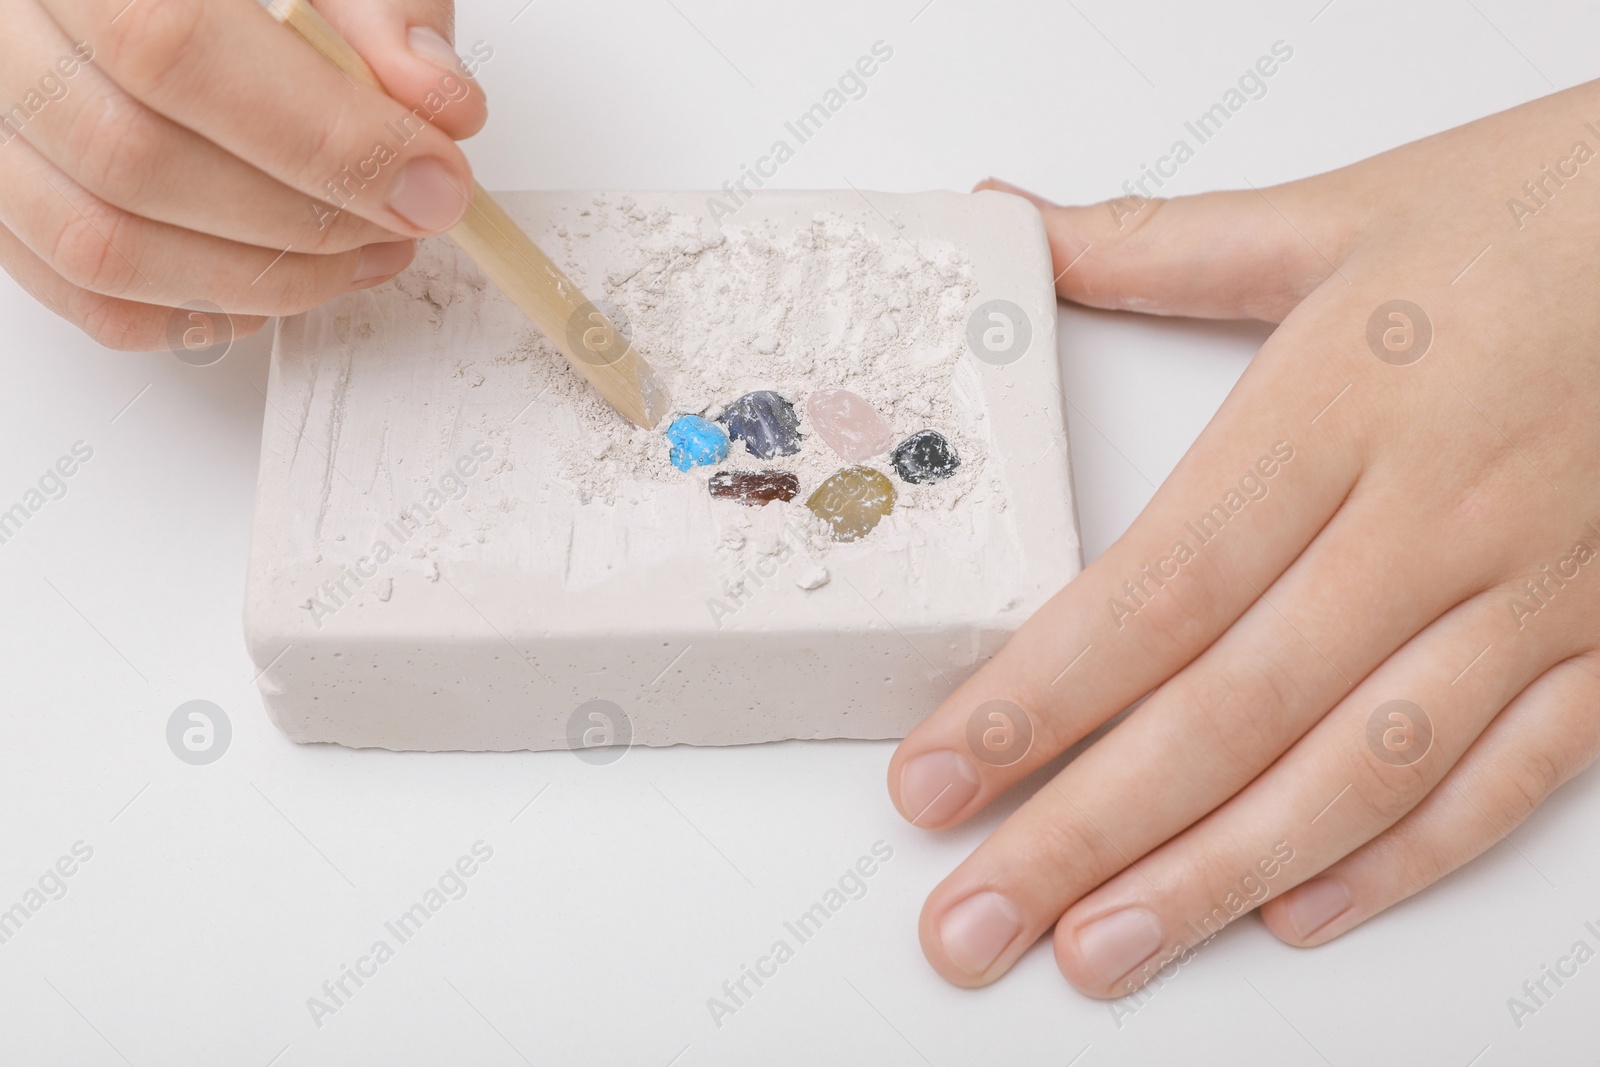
x: 570, y: 321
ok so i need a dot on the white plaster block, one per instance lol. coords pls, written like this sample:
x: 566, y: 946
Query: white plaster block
x: 528, y: 594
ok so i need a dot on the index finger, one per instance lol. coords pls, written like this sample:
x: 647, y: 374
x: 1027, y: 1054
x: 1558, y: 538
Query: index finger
x: 407, y: 45
x: 229, y: 72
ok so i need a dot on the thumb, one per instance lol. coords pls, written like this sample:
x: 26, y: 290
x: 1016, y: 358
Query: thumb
x: 1227, y: 255
x: 408, y: 45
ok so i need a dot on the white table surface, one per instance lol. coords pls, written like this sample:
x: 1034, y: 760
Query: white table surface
x: 219, y: 898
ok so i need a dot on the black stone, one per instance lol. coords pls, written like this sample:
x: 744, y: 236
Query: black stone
x: 924, y: 458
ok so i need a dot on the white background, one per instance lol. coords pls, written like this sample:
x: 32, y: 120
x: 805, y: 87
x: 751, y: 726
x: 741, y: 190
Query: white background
x: 219, y: 898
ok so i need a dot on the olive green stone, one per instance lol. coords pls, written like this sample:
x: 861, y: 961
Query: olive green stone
x: 852, y: 501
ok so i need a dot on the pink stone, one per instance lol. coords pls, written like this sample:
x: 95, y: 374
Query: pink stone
x: 850, y: 425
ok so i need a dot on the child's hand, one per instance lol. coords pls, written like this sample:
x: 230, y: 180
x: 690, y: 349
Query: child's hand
x: 1400, y: 502
x: 156, y: 153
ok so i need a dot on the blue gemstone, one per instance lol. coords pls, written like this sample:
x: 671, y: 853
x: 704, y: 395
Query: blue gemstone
x: 765, y: 422
x: 696, y: 442
x: 924, y: 458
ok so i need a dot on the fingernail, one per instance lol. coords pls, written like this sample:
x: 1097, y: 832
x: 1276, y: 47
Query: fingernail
x: 1316, y: 904
x: 1119, y: 942
x: 380, y: 261
x: 1017, y: 190
x: 429, y: 45
x: 428, y: 196
x: 978, y: 929
x: 936, y: 785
